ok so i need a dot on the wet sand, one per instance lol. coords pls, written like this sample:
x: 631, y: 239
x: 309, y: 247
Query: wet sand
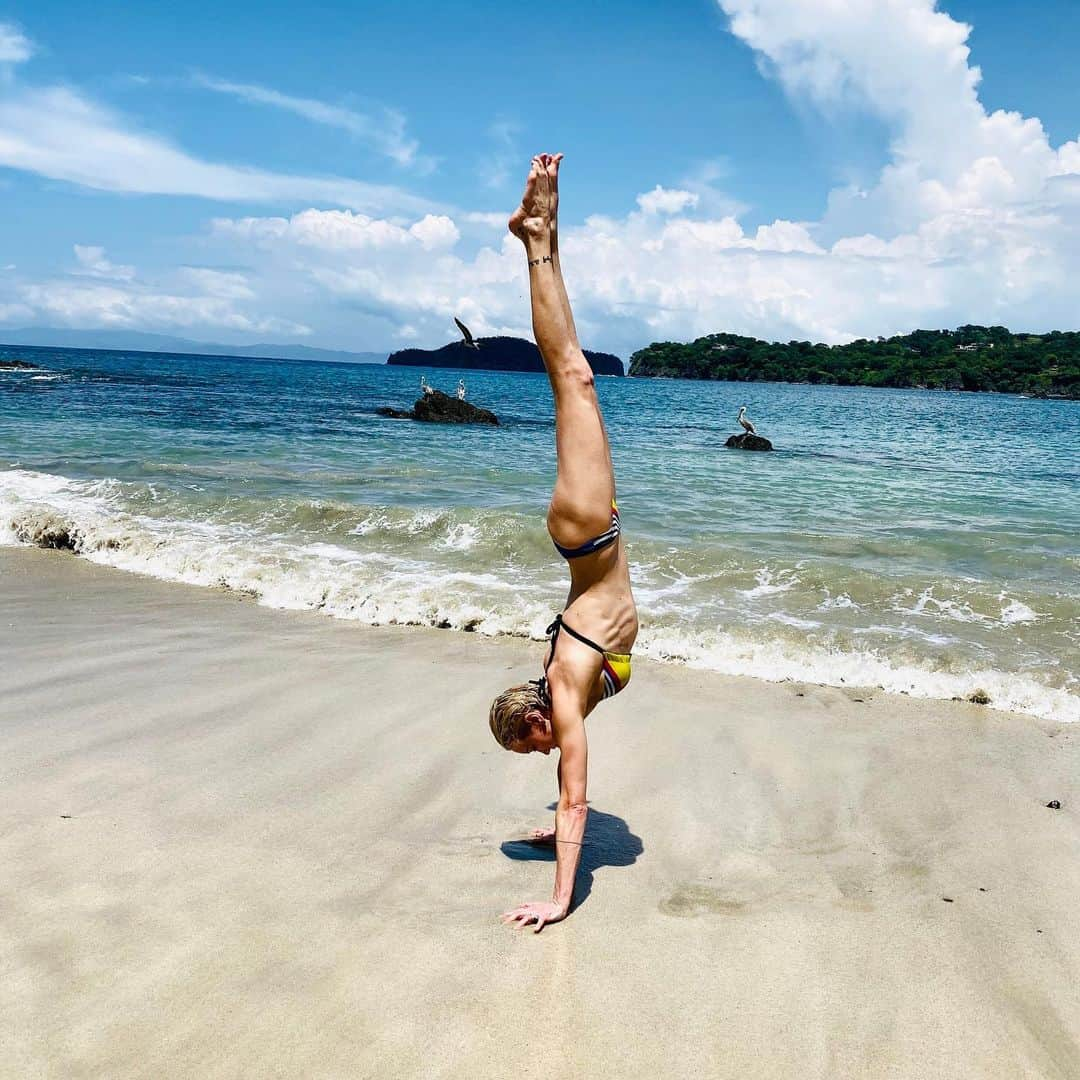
x: 239, y: 842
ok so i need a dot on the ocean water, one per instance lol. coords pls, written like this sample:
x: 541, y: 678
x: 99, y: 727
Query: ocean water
x: 926, y: 543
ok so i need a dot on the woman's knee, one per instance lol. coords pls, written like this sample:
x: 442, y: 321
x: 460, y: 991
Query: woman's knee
x: 572, y: 372
x: 572, y: 522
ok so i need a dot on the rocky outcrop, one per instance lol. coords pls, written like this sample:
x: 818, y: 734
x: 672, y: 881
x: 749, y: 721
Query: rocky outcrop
x: 440, y: 408
x: 495, y: 354
x: 746, y: 441
x: 17, y: 365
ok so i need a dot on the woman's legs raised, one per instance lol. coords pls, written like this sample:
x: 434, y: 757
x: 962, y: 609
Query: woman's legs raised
x: 585, y: 486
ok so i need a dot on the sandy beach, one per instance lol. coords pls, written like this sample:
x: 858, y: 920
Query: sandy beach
x: 239, y: 842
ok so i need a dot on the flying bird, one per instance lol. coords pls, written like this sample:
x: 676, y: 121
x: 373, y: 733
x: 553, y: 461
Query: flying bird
x: 745, y: 421
x: 466, y: 333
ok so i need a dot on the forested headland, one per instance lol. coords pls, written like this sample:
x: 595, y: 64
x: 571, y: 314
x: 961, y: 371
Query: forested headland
x: 496, y: 354
x: 988, y: 358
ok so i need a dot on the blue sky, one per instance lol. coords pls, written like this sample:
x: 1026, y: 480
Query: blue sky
x: 335, y: 174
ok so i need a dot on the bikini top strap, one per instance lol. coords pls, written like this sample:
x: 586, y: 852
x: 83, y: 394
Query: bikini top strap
x: 542, y: 689
x: 580, y: 637
x: 552, y: 633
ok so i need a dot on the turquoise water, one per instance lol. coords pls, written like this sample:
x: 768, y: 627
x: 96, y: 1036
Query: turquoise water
x: 922, y: 542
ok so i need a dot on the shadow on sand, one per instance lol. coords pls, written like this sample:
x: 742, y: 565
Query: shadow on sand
x: 608, y: 842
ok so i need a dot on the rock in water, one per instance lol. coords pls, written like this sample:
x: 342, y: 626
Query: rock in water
x: 747, y: 441
x: 17, y: 365
x: 440, y: 408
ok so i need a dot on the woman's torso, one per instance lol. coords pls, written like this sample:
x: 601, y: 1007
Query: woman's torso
x: 600, y: 606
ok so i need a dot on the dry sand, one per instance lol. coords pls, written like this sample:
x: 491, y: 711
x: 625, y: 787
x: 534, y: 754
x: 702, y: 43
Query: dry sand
x: 243, y: 843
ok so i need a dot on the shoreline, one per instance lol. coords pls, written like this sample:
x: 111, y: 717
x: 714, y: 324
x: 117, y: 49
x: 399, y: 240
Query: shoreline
x: 241, y: 840
x: 766, y: 661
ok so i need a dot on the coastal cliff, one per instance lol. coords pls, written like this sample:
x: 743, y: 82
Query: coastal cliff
x: 970, y: 358
x: 496, y: 354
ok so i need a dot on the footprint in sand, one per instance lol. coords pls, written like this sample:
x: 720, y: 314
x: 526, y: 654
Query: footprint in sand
x: 690, y: 901
x: 472, y: 847
x: 742, y: 882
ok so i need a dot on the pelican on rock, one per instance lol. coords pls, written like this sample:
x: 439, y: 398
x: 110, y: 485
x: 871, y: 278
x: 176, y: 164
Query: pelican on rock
x: 745, y: 422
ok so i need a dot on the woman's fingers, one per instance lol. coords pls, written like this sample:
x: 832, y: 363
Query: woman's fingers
x: 522, y: 915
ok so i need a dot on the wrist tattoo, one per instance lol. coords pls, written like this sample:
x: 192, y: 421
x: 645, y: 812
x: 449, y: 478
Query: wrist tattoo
x: 542, y: 259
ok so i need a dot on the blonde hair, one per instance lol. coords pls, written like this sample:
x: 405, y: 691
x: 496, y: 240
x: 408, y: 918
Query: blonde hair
x: 507, y: 716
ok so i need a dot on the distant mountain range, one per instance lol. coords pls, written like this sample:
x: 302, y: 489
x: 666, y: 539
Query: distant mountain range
x: 496, y: 354
x: 136, y: 341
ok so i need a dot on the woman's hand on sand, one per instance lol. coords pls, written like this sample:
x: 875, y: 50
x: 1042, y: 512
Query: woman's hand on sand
x: 541, y: 912
x: 532, y: 219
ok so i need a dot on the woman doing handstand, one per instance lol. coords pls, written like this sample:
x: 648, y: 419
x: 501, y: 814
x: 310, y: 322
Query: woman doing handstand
x: 588, y: 655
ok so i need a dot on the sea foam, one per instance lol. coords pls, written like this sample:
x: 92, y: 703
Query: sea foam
x: 492, y: 574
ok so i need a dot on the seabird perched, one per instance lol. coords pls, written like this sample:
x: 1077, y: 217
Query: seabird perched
x: 424, y: 388
x: 466, y: 333
x: 745, y: 421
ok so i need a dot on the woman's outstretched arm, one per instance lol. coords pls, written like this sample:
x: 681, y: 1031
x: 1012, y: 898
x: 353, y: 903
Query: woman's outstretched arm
x: 570, y: 817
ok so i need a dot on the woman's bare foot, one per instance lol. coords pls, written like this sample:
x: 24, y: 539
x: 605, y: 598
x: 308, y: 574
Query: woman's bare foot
x: 551, y: 166
x: 532, y: 219
x: 541, y: 836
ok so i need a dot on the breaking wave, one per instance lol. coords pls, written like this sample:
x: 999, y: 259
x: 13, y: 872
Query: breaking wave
x: 492, y: 572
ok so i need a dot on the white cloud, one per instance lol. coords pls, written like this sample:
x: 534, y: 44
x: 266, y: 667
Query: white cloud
x: 15, y: 47
x: 341, y: 230
x: 58, y: 133
x: 92, y: 262
x: 15, y: 313
x: 115, y: 307
x: 188, y: 298
x: 434, y: 232
x: 222, y: 284
x: 385, y: 130
x: 666, y: 200
x: 907, y: 63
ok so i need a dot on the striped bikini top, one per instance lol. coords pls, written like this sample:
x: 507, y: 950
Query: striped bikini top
x: 614, y: 669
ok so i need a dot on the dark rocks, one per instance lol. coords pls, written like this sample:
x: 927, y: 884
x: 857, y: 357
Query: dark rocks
x: 1053, y: 804
x: 979, y: 697
x: 747, y: 441
x: 51, y: 533
x: 17, y: 365
x: 440, y: 408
